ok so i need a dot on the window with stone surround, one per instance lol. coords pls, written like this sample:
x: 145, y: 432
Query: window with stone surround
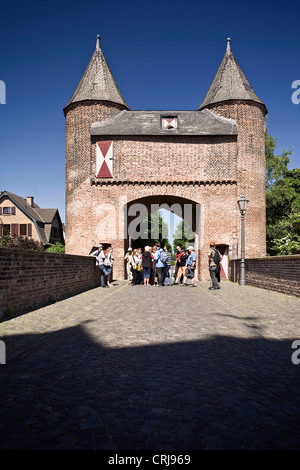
x: 169, y: 122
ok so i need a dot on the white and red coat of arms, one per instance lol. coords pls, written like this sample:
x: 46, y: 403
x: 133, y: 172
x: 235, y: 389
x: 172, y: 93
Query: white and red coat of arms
x: 104, y: 159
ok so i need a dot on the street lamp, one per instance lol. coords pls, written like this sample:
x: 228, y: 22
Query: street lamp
x: 243, y: 204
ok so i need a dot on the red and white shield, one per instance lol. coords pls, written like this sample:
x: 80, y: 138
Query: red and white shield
x: 104, y: 159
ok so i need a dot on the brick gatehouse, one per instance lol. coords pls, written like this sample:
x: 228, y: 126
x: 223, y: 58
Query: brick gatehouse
x: 203, y: 159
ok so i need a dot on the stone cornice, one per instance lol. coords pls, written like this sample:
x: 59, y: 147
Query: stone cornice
x: 113, y: 182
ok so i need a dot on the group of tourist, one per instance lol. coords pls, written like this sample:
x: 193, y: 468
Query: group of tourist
x: 152, y: 266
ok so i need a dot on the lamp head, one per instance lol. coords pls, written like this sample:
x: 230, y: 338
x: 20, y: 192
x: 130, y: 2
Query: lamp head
x: 243, y: 204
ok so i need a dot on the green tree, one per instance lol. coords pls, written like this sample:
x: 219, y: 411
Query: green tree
x: 282, y: 201
x: 57, y: 248
x: 276, y: 165
x: 183, y: 235
x: 156, y: 231
x: 283, y: 215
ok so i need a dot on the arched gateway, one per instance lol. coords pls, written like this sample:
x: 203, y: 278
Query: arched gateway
x: 200, y: 161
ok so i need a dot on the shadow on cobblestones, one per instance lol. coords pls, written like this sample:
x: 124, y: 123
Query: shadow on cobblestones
x: 223, y: 392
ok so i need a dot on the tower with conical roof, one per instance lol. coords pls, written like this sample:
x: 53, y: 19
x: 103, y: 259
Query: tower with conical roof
x: 231, y: 95
x: 96, y: 98
x: 97, y: 83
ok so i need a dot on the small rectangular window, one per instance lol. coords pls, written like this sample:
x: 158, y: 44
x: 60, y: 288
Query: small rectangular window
x: 6, y: 210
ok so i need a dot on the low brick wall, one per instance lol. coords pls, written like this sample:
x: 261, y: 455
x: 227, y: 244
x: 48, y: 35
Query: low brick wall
x: 29, y: 279
x: 279, y: 273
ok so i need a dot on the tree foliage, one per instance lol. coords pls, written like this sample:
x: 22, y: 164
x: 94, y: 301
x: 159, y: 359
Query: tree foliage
x: 57, y: 248
x: 183, y: 235
x: 156, y: 231
x: 283, y: 215
x: 276, y: 164
x: 282, y: 201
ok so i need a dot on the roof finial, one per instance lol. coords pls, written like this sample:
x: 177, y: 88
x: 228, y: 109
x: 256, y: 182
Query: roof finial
x: 98, y: 41
x: 228, y: 45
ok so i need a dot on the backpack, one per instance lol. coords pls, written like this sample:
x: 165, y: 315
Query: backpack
x: 217, y: 257
x: 163, y: 256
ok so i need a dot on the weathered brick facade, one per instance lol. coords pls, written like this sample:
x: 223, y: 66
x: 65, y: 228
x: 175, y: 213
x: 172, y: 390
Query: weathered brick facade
x: 211, y: 161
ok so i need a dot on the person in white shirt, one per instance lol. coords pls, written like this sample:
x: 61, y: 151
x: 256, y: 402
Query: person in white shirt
x: 100, y: 258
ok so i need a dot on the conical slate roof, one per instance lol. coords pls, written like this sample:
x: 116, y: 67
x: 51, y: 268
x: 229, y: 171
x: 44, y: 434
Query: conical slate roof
x: 97, y: 82
x: 229, y: 83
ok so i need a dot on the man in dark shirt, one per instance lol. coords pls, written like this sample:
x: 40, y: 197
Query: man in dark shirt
x: 212, y: 266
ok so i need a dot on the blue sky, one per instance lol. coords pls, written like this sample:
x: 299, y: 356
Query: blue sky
x: 163, y: 56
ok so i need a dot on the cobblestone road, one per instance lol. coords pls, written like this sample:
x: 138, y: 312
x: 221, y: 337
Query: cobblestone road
x: 153, y: 368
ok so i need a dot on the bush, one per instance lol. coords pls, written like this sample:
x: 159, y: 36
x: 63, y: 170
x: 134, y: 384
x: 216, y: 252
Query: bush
x: 21, y: 243
x: 57, y: 248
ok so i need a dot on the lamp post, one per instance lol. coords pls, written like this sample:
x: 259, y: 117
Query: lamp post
x: 243, y: 204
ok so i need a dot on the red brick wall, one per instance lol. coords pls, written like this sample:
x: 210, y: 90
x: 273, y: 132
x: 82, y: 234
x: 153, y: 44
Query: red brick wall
x: 30, y: 279
x: 279, y: 273
x: 250, y: 119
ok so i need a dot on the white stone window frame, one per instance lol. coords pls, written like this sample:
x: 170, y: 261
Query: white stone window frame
x: 174, y: 118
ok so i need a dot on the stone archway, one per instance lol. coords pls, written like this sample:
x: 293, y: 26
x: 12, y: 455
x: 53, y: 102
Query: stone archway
x: 137, y: 211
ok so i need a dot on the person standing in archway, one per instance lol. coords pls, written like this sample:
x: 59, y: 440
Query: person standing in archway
x: 159, y: 265
x: 136, y: 267
x: 213, y: 256
x: 128, y: 259
x: 146, y: 265
x: 181, y: 266
x: 190, y: 267
x: 167, y: 269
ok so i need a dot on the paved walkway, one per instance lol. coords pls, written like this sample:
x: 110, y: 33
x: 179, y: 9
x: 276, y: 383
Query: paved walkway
x: 153, y: 368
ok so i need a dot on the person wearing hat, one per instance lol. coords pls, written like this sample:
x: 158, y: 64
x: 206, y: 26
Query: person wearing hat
x: 190, y: 267
x: 100, y: 258
x: 128, y: 259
